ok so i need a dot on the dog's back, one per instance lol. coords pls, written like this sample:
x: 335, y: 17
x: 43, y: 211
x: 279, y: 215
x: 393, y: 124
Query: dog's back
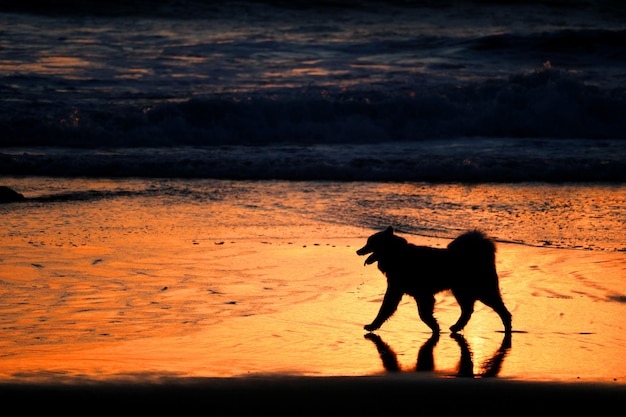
x: 469, y: 260
x: 475, y: 254
x: 473, y: 245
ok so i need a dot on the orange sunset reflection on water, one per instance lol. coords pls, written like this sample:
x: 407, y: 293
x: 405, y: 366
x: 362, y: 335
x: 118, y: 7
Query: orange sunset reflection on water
x: 139, y: 287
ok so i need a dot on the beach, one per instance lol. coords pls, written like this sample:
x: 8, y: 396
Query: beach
x: 161, y: 291
x: 301, y: 311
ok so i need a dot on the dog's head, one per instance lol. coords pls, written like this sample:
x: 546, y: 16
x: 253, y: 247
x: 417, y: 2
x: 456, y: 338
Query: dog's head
x: 378, y: 244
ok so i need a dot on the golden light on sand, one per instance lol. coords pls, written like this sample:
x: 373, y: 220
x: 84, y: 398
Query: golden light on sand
x: 136, y: 288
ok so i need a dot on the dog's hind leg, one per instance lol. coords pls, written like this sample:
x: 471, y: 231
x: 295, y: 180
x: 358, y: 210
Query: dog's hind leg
x: 426, y: 308
x: 495, y: 302
x: 467, y: 308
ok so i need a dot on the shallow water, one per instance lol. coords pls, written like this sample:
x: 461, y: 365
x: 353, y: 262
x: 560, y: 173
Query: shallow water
x: 580, y: 216
x: 141, y: 279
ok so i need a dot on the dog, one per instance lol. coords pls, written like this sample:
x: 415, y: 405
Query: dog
x: 466, y: 267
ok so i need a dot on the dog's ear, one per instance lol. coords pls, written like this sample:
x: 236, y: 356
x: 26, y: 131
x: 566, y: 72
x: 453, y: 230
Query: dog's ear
x: 389, y: 230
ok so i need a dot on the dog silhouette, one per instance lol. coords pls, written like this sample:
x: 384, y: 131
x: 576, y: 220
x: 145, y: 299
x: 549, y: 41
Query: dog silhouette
x: 466, y: 267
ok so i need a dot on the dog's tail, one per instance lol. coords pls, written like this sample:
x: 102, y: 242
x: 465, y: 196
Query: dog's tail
x: 474, y: 244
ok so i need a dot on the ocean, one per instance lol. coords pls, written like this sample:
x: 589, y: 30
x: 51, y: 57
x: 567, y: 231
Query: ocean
x: 333, y: 90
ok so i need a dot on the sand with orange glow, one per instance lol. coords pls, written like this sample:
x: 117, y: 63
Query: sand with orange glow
x: 114, y: 292
x: 296, y: 308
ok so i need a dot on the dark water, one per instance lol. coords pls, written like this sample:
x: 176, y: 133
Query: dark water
x: 374, y: 90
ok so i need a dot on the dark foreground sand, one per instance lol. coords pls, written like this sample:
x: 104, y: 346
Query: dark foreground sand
x: 378, y: 395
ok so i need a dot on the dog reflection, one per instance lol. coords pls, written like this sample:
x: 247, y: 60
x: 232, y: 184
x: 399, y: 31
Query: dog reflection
x: 426, y: 361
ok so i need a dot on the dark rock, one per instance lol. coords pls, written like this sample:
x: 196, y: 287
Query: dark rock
x: 7, y: 195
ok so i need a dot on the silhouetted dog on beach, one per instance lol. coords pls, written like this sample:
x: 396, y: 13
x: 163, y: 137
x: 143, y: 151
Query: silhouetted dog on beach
x: 466, y: 267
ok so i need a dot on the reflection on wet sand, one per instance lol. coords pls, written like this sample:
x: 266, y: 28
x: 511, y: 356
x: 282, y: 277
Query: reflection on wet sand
x: 426, y: 360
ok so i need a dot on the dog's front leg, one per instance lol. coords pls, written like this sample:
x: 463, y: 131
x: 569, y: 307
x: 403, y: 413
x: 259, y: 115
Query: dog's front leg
x: 390, y: 304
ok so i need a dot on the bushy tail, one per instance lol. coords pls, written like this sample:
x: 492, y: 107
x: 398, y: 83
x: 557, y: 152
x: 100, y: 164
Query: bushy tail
x: 474, y: 244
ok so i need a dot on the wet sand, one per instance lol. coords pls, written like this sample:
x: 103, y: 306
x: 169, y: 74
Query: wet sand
x: 289, y: 308
x: 160, y: 314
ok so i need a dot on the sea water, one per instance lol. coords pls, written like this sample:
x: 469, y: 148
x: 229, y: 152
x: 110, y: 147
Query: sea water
x: 350, y: 90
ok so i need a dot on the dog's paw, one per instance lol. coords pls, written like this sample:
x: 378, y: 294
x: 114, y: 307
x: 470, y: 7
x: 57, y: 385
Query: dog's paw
x: 455, y: 329
x: 370, y: 327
